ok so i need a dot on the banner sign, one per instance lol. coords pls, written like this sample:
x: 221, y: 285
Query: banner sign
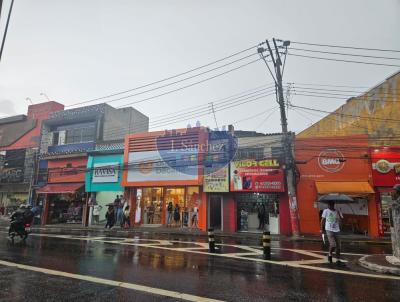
x: 216, y: 179
x: 256, y: 176
x: 162, y: 165
x: 105, y: 172
x: 385, y: 167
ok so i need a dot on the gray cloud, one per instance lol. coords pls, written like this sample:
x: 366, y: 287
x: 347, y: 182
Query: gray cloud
x: 7, y: 107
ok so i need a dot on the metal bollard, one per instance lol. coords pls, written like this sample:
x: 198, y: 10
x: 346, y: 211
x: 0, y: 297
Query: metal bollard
x: 211, y: 240
x: 266, y: 241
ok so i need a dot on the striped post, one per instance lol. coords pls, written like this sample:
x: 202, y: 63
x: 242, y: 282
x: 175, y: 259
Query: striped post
x: 266, y: 242
x: 211, y: 240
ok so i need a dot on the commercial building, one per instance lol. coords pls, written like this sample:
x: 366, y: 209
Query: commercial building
x: 165, y: 167
x: 104, y: 175
x: 336, y: 165
x: 19, y: 143
x: 246, y: 191
x: 385, y: 174
x: 66, y: 138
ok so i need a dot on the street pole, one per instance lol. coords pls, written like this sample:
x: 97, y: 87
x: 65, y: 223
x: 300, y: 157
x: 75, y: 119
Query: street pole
x: 287, y: 137
x: 6, y: 29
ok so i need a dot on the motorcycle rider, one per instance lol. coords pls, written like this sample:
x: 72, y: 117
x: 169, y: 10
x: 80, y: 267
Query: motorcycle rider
x: 19, y: 218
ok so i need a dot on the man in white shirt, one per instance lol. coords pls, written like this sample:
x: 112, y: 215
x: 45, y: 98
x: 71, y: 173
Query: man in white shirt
x: 330, y: 224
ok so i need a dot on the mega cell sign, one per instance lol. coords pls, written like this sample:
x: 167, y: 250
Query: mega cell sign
x: 105, y: 172
x: 256, y: 176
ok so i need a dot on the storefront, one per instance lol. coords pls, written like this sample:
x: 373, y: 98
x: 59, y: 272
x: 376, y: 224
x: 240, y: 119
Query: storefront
x: 64, y: 197
x: 385, y: 174
x: 258, y: 188
x: 103, y: 177
x: 12, y: 196
x: 336, y: 165
x: 162, y: 168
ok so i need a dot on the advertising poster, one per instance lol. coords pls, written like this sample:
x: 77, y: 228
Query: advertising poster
x: 216, y: 179
x: 256, y: 176
x: 152, y: 166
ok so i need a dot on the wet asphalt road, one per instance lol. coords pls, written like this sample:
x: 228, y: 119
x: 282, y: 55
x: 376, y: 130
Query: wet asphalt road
x: 165, y: 267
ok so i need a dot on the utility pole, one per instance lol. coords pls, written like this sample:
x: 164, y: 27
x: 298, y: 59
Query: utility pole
x: 287, y: 137
x: 6, y: 29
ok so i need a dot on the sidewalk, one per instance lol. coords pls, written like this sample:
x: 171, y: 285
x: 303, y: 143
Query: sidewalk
x: 378, y: 263
x: 162, y: 230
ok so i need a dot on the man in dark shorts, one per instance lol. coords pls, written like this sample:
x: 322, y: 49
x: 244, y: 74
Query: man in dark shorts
x: 330, y: 223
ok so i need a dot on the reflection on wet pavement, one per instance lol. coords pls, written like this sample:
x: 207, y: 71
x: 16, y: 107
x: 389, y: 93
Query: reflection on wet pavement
x: 183, y: 265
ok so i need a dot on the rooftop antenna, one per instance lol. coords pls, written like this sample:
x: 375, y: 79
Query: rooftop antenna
x: 45, y: 95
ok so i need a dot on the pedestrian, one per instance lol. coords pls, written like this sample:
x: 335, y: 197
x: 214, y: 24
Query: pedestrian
x: 261, y: 216
x: 177, y: 215
x: 126, y: 218
x: 118, y: 210
x: 330, y: 223
x: 110, y: 217
x: 96, y: 213
x: 170, y: 209
x: 195, y: 217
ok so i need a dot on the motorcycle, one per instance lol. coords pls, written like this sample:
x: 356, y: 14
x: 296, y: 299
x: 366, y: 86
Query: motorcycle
x: 21, y: 229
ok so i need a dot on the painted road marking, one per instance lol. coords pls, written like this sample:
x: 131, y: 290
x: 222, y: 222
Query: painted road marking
x: 133, y: 286
x: 303, y: 264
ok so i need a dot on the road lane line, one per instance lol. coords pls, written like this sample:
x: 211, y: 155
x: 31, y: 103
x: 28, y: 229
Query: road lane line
x: 133, y: 286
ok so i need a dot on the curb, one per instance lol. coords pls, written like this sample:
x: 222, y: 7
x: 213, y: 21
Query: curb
x: 378, y: 268
x: 255, y: 237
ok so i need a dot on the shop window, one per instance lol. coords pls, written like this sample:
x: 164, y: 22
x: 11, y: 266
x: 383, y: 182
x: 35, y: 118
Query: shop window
x: 254, y: 208
x: 193, y: 197
x: 152, y: 205
x: 176, y: 196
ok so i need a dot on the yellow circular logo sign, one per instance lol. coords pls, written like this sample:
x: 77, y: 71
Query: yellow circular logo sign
x: 145, y: 168
x: 383, y: 166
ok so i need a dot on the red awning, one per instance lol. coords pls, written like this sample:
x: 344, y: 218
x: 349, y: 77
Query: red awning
x: 62, y: 188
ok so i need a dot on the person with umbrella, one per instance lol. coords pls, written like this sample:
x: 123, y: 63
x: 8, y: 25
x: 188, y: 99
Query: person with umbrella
x: 330, y: 223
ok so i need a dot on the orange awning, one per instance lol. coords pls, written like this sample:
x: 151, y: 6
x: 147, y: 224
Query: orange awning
x: 344, y: 187
x: 63, y: 188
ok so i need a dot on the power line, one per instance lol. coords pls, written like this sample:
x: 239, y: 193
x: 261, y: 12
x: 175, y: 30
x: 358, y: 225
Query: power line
x: 347, y: 47
x: 344, y: 114
x: 344, y: 54
x: 174, y: 76
x: 346, y: 61
x: 184, y: 87
x: 327, y: 85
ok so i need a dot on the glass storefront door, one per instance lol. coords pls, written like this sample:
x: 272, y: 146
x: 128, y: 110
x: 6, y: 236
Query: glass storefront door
x: 152, y: 205
x: 257, y: 211
x: 386, y: 200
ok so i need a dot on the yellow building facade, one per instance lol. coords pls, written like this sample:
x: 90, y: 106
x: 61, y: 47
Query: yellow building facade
x: 375, y: 113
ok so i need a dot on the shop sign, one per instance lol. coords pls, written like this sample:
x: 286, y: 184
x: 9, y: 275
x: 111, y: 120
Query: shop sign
x: 256, y: 176
x: 152, y: 166
x: 331, y: 160
x: 383, y: 166
x: 216, y: 180
x: 105, y: 172
x: 11, y: 175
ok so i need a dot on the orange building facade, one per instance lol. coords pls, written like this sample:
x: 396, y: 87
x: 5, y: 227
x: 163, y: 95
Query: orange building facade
x: 336, y: 165
x: 164, y: 167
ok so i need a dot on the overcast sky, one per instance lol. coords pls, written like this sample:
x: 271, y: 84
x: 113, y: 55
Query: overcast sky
x: 79, y: 50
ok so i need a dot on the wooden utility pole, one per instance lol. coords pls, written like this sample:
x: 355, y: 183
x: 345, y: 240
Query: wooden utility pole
x: 287, y: 137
